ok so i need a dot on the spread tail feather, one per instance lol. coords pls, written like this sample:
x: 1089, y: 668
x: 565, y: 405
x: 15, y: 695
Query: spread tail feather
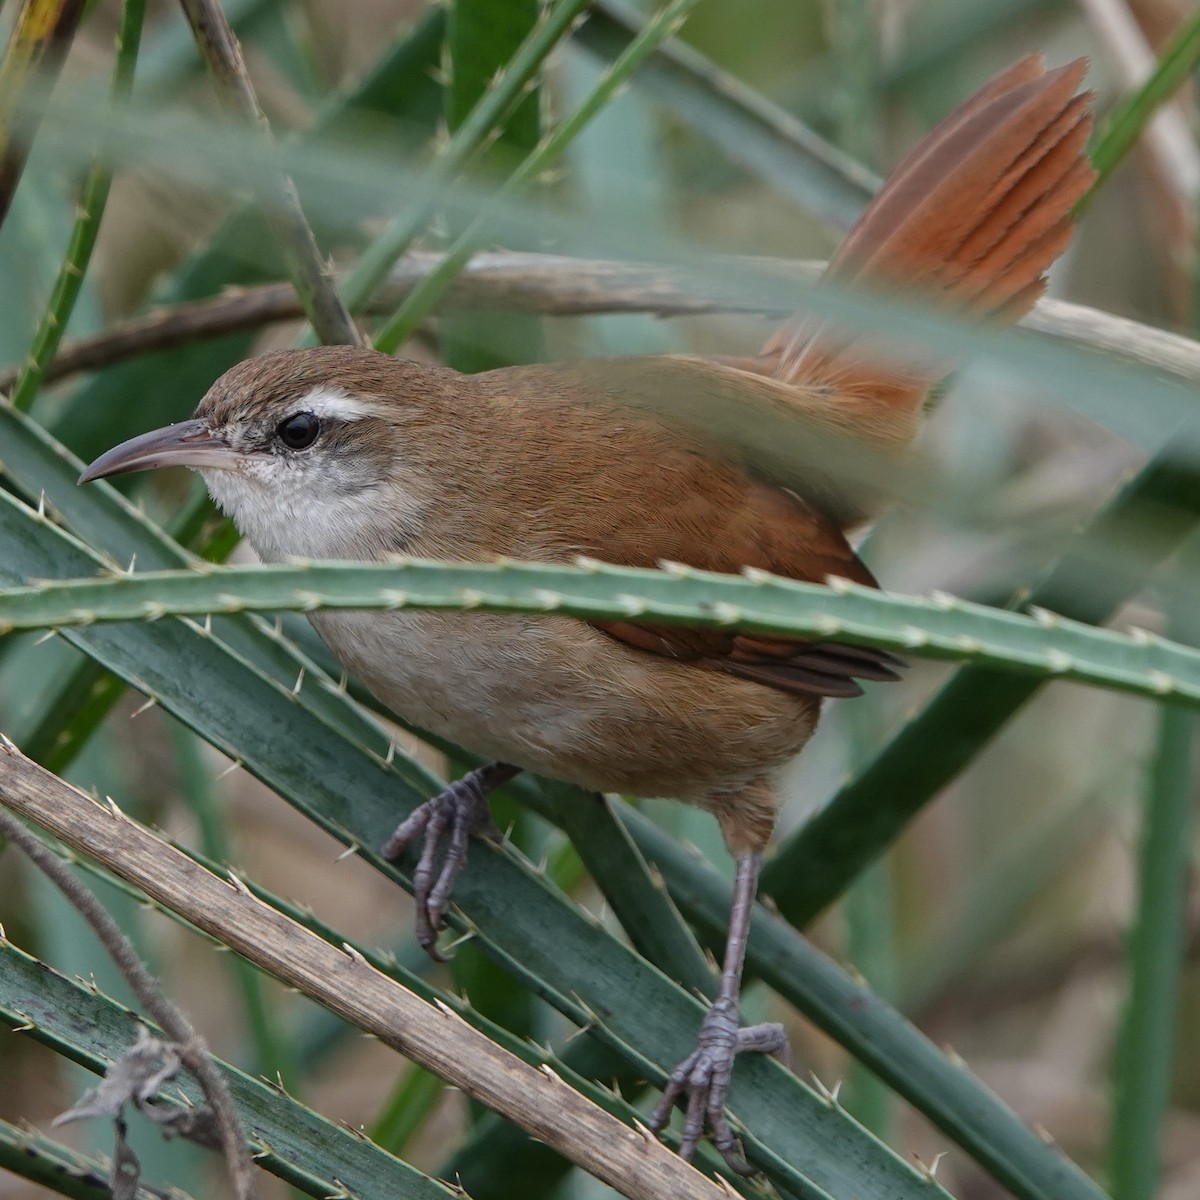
x: 970, y: 220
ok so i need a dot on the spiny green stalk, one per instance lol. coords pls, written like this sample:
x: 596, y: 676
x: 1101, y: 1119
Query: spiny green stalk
x: 867, y: 910
x: 543, y: 1057
x: 1098, y: 385
x: 119, y: 535
x: 269, y: 1047
x: 384, y: 963
x: 87, y: 225
x: 66, y: 716
x: 423, y: 297
x: 635, y: 892
x: 481, y: 36
x: 406, y: 1110
x: 870, y: 946
x: 37, y: 46
x: 569, y: 960
x: 945, y: 627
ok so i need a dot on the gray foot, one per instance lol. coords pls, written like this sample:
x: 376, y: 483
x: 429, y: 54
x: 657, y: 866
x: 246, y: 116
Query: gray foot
x: 704, y: 1078
x: 455, y: 813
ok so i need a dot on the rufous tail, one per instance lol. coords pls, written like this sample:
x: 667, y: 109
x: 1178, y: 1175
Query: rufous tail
x: 969, y: 221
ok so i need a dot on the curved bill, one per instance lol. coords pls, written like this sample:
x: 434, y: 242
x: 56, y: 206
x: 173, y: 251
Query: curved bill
x: 187, y: 444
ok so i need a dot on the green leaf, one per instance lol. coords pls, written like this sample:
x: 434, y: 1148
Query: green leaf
x: 635, y: 892
x: 33, y: 56
x: 481, y: 37
x: 399, y: 86
x: 69, y: 281
x: 407, y: 1109
x: 476, y: 128
x: 58, y: 1168
x: 420, y: 301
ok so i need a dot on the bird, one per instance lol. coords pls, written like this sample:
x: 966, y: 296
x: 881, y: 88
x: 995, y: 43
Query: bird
x: 341, y: 452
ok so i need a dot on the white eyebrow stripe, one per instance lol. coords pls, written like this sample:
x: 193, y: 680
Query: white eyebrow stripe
x: 335, y: 404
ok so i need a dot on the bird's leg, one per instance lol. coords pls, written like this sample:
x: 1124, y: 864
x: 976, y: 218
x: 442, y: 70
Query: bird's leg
x: 703, y: 1077
x: 457, y: 811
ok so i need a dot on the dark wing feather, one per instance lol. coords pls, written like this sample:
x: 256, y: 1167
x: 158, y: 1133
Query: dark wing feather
x: 804, y: 668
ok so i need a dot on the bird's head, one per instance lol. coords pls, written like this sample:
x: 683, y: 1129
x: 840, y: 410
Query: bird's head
x: 314, y: 453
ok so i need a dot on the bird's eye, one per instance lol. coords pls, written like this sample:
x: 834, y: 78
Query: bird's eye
x: 298, y: 431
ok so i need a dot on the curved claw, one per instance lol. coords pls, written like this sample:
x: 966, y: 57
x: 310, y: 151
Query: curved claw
x: 704, y: 1076
x: 459, y: 810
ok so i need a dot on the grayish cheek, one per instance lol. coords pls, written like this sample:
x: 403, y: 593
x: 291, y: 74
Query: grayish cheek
x: 362, y: 477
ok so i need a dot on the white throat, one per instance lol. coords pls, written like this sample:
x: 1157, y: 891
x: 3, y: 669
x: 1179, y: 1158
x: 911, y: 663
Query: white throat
x: 291, y: 522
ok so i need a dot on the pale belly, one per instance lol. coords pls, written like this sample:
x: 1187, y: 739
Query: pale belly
x: 555, y: 696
